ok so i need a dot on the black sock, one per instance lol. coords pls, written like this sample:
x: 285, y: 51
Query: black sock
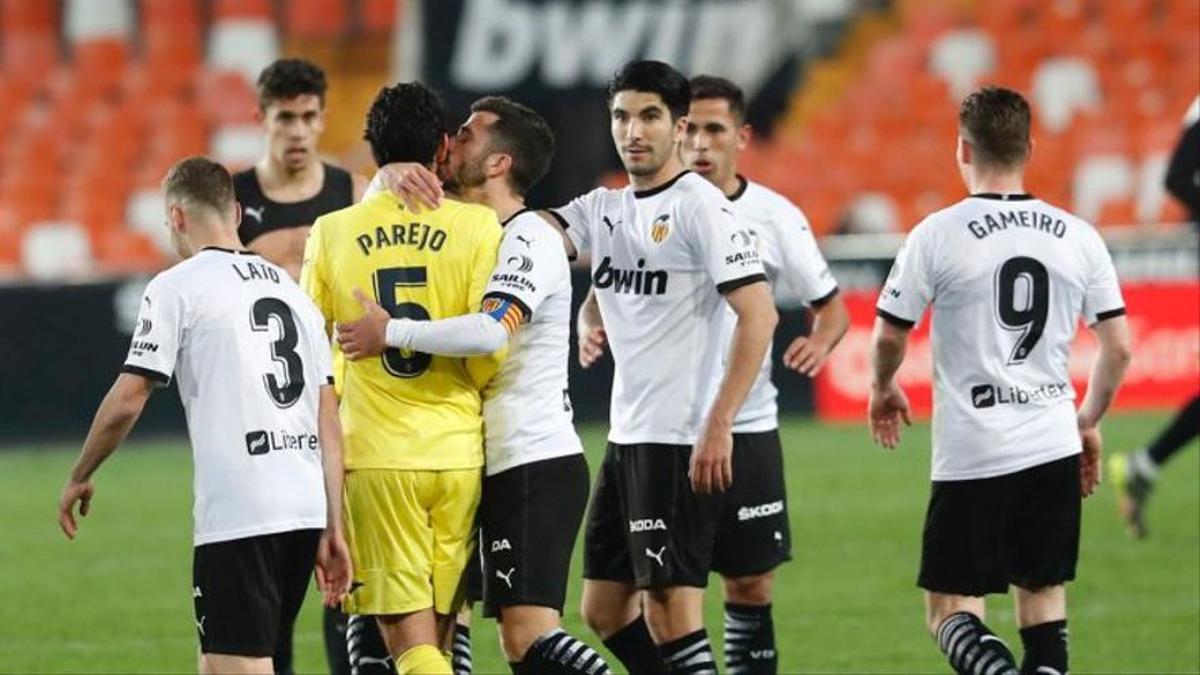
x: 1182, y: 429
x: 460, y: 656
x: 972, y: 648
x: 635, y: 648
x: 750, y: 640
x: 336, y: 656
x: 368, y: 652
x: 1045, y: 648
x: 558, y: 653
x: 690, y: 654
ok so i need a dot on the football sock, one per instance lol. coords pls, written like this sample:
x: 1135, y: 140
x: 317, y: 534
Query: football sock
x: 1045, y: 649
x: 750, y: 640
x: 972, y: 649
x: 1182, y: 429
x: 558, y: 653
x: 634, y: 647
x: 336, y: 657
x: 460, y: 655
x: 690, y: 654
x: 423, y: 660
x: 367, y: 651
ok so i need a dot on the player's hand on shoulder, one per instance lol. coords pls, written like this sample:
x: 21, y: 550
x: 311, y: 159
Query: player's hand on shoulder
x: 887, y: 407
x: 1090, y: 460
x: 414, y: 184
x: 711, y: 467
x: 74, y: 491
x: 806, y: 355
x: 334, y: 569
x: 366, y: 336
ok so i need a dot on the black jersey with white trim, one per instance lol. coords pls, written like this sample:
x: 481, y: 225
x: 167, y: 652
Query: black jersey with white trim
x: 661, y: 259
x: 1008, y: 277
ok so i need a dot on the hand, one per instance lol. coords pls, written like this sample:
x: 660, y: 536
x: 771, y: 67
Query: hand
x: 886, y: 407
x: 74, y: 491
x: 806, y: 355
x: 414, y: 184
x: 711, y: 467
x: 591, y: 346
x: 334, y: 569
x: 368, y: 335
x: 1089, y: 462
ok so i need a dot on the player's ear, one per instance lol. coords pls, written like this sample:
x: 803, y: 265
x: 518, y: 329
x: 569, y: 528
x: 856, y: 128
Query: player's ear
x: 964, y: 151
x: 744, y: 134
x: 443, y: 150
x: 499, y: 163
x: 175, y: 218
x: 237, y: 214
x: 260, y: 115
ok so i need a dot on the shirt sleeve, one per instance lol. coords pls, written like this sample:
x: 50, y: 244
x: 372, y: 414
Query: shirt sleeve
x: 803, y: 272
x: 483, y: 368
x: 529, y: 264
x: 313, y: 275
x: 909, y: 286
x: 576, y: 220
x: 1102, y: 299
x: 322, y: 349
x: 727, y: 247
x: 154, y: 349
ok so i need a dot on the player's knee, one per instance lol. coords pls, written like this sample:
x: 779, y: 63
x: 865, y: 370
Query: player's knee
x: 751, y: 590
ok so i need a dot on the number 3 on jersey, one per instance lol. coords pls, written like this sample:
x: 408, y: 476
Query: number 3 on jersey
x: 402, y: 363
x: 1022, y: 303
x: 283, y: 351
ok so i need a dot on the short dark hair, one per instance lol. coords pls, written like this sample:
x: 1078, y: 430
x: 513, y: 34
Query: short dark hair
x: 522, y: 134
x: 654, y: 77
x: 199, y: 181
x: 995, y: 121
x: 406, y: 123
x: 709, y: 86
x: 288, y: 78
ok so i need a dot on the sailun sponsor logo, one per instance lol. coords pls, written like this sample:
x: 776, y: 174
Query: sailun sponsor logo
x: 647, y: 525
x: 638, y: 281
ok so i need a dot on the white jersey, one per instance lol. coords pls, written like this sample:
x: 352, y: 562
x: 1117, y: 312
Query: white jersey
x: 526, y: 410
x: 1008, y: 277
x: 796, y: 272
x: 661, y: 259
x: 250, y: 355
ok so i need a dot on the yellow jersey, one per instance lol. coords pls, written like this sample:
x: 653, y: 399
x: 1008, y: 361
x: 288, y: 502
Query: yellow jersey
x: 406, y: 410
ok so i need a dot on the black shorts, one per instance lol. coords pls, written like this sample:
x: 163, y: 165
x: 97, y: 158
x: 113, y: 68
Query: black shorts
x: 474, y: 574
x: 1020, y: 529
x: 645, y: 525
x: 753, y: 536
x: 247, y: 592
x: 529, y: 518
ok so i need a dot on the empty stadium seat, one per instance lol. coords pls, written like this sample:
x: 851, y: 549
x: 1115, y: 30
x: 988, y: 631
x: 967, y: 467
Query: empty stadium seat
x: 244, y: 45
x: 316, y: 18
x: 237, y: 146
x: 1100, y: 179
x: 56, y: 250
x: 146, y: 214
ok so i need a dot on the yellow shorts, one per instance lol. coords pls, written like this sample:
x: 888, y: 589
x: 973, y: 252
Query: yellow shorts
x: 410, y: 535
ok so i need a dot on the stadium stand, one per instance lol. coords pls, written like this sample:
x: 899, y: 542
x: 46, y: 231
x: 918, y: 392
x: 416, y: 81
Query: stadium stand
x: 102, y: 95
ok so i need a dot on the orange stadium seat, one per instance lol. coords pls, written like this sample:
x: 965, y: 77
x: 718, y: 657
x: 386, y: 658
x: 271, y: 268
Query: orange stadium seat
x: 241, y: 9
x: 378, y: 17
x: 226, y: 97
x: 316, y: 18
x: 125, y: 251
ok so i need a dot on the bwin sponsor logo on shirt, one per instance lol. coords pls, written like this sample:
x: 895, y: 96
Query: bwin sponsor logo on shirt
x: 647, y: 525
x: 760, y: 511
x: 630, y: 282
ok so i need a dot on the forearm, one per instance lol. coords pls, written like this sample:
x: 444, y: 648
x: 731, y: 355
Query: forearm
x: 1107, y: 373
x: 589, y: 314
x: 888, y: 346
x: 751, y: 340
x: 114, y: 419
x: 830, y: 322
x: 333, y: 466
x: 467, y: 335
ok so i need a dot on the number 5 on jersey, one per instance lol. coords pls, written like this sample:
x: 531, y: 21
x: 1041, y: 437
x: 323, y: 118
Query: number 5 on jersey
x: 388, y: 285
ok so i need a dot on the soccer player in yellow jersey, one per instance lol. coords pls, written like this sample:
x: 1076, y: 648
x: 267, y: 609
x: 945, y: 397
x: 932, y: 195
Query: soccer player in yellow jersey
x: 412, y: 421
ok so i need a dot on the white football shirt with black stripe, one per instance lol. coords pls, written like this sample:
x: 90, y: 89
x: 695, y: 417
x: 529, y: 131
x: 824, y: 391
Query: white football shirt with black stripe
x: 661, y: 260
x: 249, y: 353
x: 1008, y: 277
x: 796, y: 272
x: 526, y: 410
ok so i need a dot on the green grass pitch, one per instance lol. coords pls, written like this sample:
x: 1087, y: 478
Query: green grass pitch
x: 118, y: 599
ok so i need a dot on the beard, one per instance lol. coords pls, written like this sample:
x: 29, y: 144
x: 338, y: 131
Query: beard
x: 470, y: 174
